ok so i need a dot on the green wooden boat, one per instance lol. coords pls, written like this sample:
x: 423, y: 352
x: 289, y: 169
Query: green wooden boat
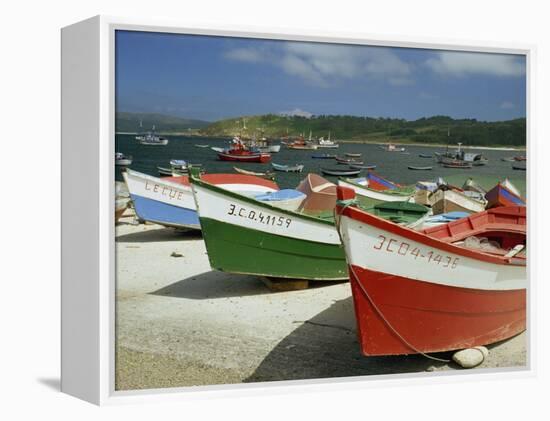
x: 368, y: 197
x: 245, y: 235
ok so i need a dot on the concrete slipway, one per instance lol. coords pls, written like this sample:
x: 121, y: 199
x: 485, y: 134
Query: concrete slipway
x: 181, y: 324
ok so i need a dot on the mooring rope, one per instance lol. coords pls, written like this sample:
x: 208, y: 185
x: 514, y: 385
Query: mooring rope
x: 347, y: 203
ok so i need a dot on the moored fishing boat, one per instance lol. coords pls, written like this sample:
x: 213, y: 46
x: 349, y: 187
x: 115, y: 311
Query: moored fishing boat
x: 457, y: 164
x: 340, y: 172
x: 390, y: 147
x: 151, y: 138
x: 423, y: 292
x: 367, y: 196
x: 327, y: 143
x: 169, y: 201
x: 239, y: 152
x: 504, y: 194
x: 122, y: 160
x: 287, y: 168
x: 245, y: 235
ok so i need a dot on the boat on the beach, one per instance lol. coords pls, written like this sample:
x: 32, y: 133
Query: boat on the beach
x: 287, y: 168
x: 471, y: 185
x: 409, y: 214
x: 169, y: 201
x: 368, y: 196
x: 340, y: 172
x: 377, y: 182
x: 445, y: 200
x: 288, y: 199
x: 122, y: 199
x: 415, y: 168
x: 151, y: 138
x: 250, y: 236
x: 390, y: 147
x: 268, y: 175
x: 504, y: 194
x: 440, y: 289
x: 122, y: 160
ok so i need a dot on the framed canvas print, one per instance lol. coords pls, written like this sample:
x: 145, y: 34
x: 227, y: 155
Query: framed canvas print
x: 286, y: 210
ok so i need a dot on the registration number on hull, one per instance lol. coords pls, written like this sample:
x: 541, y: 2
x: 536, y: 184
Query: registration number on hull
x: 258, y: 216
x: 402, y: 248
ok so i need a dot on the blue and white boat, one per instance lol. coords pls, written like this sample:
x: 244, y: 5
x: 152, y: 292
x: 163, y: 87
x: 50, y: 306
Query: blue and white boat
x: 169, y: 201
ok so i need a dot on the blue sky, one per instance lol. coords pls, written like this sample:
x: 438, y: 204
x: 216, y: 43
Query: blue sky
x: 211, y: 78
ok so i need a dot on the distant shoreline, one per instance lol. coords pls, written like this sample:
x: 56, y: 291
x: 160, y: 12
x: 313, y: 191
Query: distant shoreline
x: 362, y: 142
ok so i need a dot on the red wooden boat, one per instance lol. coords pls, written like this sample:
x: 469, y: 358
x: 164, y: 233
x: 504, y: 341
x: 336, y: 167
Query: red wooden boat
x: 240, y: 153
x: 437, y: 289
x: 504, y: 194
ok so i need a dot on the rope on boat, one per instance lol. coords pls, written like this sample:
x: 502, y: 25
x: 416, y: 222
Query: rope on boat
x: 347, y: 203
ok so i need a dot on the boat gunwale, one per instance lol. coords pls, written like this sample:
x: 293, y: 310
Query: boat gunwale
x: 361, y: 216
x: 251, y: 200
x: 390, y: 192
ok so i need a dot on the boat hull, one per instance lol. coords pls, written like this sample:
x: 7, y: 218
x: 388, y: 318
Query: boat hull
x: 245, y: 236
x: 450, y: 201
x: 172, y: 204
x: 501, y: 196
x: 413, y: 293
x: 430, y: 317
x: 261, y: 157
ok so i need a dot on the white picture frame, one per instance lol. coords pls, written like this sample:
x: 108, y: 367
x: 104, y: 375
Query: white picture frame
x: 88, y: 258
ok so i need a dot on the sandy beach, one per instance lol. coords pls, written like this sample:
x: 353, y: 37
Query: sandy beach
x: 181, y: 324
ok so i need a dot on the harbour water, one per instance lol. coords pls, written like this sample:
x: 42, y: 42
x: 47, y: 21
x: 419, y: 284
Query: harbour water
x: 392, y: 165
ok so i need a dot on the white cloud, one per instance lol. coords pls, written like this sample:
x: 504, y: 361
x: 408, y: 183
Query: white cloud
x: 507, y: 105
x: 323, y: 64
x: 250, y: 55
x: 460, y: 64
x: 297, y: 112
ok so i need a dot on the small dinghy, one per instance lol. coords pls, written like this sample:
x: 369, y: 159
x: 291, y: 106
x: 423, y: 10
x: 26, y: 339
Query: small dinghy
x: 267, y: 175
x: 410, y: 167
x: 519, y: 166
x: 122, y: 160
x: 337, y: 172
x: 362, y: 167
x: 424, y: 155
x: 353, y: 155
x: 287, y: 168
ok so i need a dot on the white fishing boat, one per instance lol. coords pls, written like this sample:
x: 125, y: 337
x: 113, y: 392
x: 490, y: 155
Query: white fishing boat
x: 151, y: 138
x: 327, y: 143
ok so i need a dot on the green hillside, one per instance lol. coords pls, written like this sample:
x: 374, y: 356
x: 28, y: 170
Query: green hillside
x: 424, y: 130
x: 130, y: 123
